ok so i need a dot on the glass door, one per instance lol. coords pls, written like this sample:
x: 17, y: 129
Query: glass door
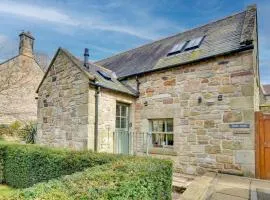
x: 122, y: 132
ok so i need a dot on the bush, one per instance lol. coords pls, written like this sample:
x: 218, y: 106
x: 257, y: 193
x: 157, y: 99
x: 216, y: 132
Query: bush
x: 25, y: 165
x: 128, y: 178
x: 29, y: 132
x: 18, y: 130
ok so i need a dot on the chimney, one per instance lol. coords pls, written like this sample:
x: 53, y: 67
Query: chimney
x: 26, y: 44
x: 86, y: 58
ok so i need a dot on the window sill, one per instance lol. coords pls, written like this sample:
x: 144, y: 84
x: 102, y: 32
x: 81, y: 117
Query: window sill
x: 162, y: 151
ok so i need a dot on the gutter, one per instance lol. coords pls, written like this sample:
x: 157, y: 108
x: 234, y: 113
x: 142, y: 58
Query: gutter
x: 245, y: 48
x: 101, y: 86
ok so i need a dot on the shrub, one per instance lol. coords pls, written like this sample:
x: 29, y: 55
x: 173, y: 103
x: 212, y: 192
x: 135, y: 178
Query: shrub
x: 29, y: 132
x: 25, y: 165
x: 11, y: 130
x: 128, y: 178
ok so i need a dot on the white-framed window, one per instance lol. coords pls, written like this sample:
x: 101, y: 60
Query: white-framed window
x: 162, y: 132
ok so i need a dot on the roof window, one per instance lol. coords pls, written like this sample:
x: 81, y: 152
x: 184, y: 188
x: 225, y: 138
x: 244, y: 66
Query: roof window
x: 104, y: 75
x: 185, y: 46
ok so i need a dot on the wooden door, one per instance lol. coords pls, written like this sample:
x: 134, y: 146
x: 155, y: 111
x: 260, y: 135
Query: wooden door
x: 263, y: 145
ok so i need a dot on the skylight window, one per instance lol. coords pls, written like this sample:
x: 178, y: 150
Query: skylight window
x: 104, y: 75
x: 185, y: 46
x: 177, y: 48
x: 194, y: 43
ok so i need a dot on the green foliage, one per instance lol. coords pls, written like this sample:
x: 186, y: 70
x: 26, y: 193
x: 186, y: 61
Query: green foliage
x: 29, y: 132
x: 127, y: 178
x: 88, y: 175
x: 25, y: 165
x: 12, y: 129
x: 1, y: 164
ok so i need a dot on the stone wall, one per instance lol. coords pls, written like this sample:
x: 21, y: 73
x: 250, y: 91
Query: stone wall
x: 203, y: 138
x: 63, y: 111
x: 19, y: 79
x: 265, y: 103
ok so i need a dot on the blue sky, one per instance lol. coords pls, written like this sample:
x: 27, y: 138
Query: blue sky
x: 112, y: 26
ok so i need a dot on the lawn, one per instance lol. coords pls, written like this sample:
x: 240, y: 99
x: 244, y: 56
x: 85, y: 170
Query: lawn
x: 5, y: 191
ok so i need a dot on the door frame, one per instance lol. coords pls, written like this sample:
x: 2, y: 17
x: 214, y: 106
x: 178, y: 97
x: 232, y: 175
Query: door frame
x: 128, y: 122
x: 257, y: 145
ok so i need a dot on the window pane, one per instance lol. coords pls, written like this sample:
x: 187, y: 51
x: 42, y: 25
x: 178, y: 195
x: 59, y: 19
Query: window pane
x: 155, y: 125
x: 169, y: 125
x: 160, y: 129
x: 162, y: 122
x: 123, y: 111
x: 117, y: 122
x: 123, y: 122
x: 117, y: 110
x: 158, y: 140
x: 170, y: 139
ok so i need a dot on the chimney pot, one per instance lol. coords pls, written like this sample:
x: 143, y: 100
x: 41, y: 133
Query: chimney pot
x: 86, y: 58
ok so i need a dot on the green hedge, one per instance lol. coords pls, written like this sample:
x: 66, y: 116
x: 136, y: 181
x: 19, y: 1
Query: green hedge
x: 25, y: 165
x: 128, y: 178
x: 1, y: 164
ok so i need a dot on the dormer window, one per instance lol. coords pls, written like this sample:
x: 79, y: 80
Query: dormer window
x: 185, y: 46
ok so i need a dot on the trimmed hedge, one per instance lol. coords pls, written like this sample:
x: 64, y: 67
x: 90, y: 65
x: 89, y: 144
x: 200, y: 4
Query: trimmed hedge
x: 128, y: 178
x: 24, y: 165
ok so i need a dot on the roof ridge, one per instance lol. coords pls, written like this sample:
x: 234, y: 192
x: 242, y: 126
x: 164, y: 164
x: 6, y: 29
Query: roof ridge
x: 159, y: 40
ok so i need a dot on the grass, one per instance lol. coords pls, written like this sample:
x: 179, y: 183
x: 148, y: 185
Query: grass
x: 5, y: 191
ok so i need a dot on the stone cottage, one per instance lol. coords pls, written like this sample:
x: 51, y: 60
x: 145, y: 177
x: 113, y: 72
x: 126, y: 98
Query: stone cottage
x: 190, y: 97
x: 19, y: 78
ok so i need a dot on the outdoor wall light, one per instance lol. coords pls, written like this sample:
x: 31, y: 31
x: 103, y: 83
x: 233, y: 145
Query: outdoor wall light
x: 145, y: 103
x: 200, y: 100
x: 220, y: 97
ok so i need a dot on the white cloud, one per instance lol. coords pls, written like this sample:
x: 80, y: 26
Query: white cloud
x: 36, y: 12
x: 95, y: 20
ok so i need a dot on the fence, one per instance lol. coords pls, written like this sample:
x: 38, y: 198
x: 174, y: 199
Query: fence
x: 127, y: 142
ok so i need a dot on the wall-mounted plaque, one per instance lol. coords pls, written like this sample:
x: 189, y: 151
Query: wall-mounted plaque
x: 239, y: 125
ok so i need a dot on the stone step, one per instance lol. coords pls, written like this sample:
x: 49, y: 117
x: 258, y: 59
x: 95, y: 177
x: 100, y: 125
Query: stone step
x: 181, y: 182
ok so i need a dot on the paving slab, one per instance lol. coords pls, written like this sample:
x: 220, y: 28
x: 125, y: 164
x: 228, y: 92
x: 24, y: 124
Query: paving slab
x: 232, y: 190
x: 220, y: 196
x: 227, y: 187
x: 234, y: 181
x: 199, y: 188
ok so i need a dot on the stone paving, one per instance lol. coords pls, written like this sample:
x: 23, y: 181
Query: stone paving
x: 214, y: 186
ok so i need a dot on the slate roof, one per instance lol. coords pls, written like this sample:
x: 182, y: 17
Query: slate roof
x: 231, y: 34
x: 93, y: 75
x: 266, y: 89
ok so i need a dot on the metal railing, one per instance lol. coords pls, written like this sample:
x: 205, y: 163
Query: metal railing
x: 128, y: 142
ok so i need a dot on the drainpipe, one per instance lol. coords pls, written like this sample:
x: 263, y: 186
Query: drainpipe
x: 96, y: 118
x: 138, y: 85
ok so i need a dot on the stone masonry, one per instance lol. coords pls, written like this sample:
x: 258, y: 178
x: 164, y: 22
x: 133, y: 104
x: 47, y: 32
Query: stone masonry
x: 66, y: 109
x: 63, y: 110
x: 203, y: 138
x: 19, y: 78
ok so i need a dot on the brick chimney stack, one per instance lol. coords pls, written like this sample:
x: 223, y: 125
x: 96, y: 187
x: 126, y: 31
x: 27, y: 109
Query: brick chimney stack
x: 26, y: 44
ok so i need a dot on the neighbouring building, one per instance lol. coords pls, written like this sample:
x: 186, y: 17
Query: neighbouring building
x: 265, y: 98
x: 19, y: 78
x: 190, y: 97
